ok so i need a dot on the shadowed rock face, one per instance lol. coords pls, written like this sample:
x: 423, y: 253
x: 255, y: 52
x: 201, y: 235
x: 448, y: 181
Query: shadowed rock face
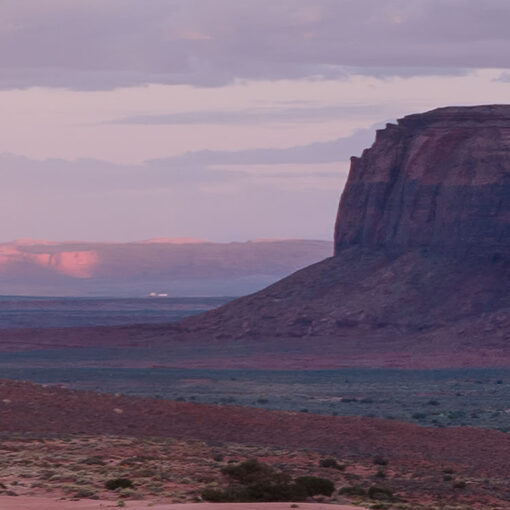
x: 439, y: 180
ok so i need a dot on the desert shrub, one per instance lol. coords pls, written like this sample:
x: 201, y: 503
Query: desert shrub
x: 118, y: 483
x: 253, y: 481
x: 353, y: 490
x: 215, y: 496
x: 383, y: 493
x: 250, y: 471
x: 94, y: 461
x: 459, y: 484
x: 419, y: 416
x: 257, y: 492
x: 267, y: 491
x: 380, y: 474
x: 314, y: 485
x: 380, y: 461
x: 331, y: 463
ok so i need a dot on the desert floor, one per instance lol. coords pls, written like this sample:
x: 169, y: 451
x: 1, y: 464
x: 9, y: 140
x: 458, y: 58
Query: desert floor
x: 30, y: 503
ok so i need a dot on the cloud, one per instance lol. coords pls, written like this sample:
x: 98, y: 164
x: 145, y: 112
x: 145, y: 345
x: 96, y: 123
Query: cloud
x: 93, y: 44
x: 218, y: 169
x: 261, y: 115
x: 330, y: 151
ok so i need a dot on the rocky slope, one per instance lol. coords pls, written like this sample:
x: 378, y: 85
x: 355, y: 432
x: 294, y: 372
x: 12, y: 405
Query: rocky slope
x: 422, y: 245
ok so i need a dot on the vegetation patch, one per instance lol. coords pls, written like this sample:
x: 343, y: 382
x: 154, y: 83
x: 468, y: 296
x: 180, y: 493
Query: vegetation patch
x: 253, y: 481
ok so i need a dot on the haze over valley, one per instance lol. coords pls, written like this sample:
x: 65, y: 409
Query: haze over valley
x: 181, y: 267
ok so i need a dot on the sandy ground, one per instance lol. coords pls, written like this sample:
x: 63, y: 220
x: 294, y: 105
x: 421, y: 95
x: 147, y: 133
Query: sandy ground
x: 29, y: 503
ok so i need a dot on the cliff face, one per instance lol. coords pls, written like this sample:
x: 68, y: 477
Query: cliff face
x: 439, y: 180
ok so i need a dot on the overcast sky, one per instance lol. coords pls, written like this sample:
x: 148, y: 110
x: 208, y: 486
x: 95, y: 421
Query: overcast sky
x: 219, y: 119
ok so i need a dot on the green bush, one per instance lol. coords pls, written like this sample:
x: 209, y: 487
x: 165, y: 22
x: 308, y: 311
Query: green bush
x: 354, y: 490
x: 273, y: 492
x: 250, y: 471
x: 381, y: 493
x: 214, y: 496
x: 313, y: 485
x: 118, y: 483
x: 331, y: 463
x: 258, y: 492
x: 253, y: 481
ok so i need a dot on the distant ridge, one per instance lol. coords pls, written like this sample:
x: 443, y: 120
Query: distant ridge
x: 172, y: 240
x: 175, y: 266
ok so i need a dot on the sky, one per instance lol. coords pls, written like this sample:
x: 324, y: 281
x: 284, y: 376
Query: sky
x: 224, y: 120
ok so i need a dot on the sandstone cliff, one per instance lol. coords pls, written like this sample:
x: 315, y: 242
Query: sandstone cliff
x: 422, y: 248
x: 439, y: 180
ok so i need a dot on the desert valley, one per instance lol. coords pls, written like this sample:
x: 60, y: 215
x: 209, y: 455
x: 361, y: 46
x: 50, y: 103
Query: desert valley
x: 255, y: 255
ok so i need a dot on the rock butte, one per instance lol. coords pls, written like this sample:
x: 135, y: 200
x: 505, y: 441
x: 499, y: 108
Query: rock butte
x: 422, y: 246
x: 438, y: 180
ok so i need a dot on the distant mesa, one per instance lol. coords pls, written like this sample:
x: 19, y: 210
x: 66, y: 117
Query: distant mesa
x: 173, y: 240
x: 185, y: 266
x: 33, y: 242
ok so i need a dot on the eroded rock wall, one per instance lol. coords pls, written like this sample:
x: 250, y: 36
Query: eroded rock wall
x: 439, y: 180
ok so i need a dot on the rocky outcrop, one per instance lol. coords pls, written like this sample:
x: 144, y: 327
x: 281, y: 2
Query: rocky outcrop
x: 422, y: 253
x: 439, y: 180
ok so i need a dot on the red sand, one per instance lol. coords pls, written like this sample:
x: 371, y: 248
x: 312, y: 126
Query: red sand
x: 26, y: 503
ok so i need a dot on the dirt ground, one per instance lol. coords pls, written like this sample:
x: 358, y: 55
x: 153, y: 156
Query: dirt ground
x: 28, y: 503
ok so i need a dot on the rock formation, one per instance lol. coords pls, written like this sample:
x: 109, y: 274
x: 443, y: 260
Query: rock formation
x: 422, y: 246
x: 437, y: 180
